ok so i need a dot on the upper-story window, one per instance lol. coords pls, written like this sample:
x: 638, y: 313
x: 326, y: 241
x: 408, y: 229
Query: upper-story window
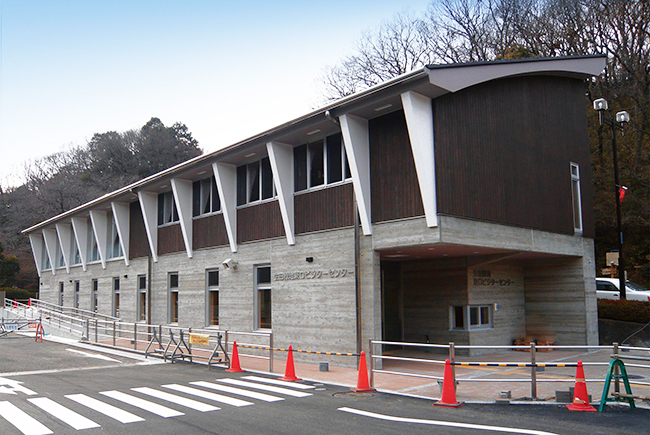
x: 255, y: 182
x: 45, y: 260
x: 114, y: 249
x: 575, y: 191
x: 93, y: 250
x: 167, y: 212
x: 60, y: 259
x: 205, y: 197
x: 75, y: 256
x: 320, y: 163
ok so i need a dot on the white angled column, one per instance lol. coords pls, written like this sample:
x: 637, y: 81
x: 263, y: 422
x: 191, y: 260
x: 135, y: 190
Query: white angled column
x: 281, y: 157
x: 357, y: 148
x: 419, y: 120
x: 49, y: 235
x: 80, y: 230
x: 149, y: 207
x: 36, y: 241
x: 122, y: 223
x: 64, y: 234
x: 99, y: 221
x: 226, y: 176
x: 182, y: 190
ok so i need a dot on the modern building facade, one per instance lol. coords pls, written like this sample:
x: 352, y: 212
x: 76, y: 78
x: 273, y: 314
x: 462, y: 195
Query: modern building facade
x: 452, y: 203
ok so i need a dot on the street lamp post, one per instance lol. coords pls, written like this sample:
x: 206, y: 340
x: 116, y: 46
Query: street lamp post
x: 617, y: 123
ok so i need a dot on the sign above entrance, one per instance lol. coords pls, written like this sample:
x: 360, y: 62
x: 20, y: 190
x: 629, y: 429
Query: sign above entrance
x: 482, y: 277
x: 313, y: 274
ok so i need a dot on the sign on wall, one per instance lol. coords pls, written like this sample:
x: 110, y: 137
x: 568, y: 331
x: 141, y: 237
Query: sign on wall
x: 313, y: 274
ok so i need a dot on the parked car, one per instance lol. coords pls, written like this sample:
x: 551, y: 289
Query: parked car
x: 608, y: 288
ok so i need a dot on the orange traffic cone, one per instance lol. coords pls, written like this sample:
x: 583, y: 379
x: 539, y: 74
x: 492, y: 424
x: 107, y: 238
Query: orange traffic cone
x: 363, y: 386
x: 29, y: 303
x: 580, y: 396
x: 448, y: 398
x: 290, y: 371
x: 15, y: 303
x: 234, y: 363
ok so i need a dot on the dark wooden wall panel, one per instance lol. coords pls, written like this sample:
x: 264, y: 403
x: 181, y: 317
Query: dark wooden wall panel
x: 170, y: 239
x: 324, y: 209
x: 257, y: 222
x: 395, y: 191
x: 209, y: 231
x: 138, y: 243
x: 503, y: 151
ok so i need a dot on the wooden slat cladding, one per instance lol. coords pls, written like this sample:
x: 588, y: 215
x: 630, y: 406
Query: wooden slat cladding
x: 503, y: 151
x: 257, y: 222
x: 170, y: 239
x: 324, y: 209
x: 394, y: 183
x: 138, y: 243
x: 209, y: 231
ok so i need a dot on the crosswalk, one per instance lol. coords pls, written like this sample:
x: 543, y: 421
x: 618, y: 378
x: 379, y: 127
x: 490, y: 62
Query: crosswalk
x: 137, y: 404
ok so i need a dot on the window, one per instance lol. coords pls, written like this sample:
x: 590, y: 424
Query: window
x: 76, y: 294
x: 263, y: 297
x: 212, y: 302
x: 142, y: 298
x: 205, y: 198
x: 45, y: 260
x: 93, y: 251
x: 60, y: 260
x: 255, y: 182
x: 575, y: 191
x: 93, y: 295
x: 320, y: 163
x: 61, y: 290
x: 172, y: 280
x: 116, y: 297
x: 75, y: 257
x: 471, y: 317
x: 114, y: 250
x: 167, y: 212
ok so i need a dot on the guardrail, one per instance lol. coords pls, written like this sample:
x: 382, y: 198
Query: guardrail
x: 113, y: 332
x: 451, y: 349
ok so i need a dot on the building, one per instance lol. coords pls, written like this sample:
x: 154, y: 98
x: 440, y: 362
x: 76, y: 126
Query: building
x: 452, y: 203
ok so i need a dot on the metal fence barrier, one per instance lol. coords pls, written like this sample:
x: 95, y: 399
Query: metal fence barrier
x: 451, y: 349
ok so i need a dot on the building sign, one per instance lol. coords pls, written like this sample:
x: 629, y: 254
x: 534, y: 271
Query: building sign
x: 313, y: 274
x: 482, y: 277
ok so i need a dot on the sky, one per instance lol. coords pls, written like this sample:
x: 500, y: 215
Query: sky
x: 227, y: 70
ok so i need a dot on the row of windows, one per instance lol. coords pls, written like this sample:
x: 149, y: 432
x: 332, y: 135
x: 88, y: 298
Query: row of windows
x: 113, y: 247
x: 262, y: 297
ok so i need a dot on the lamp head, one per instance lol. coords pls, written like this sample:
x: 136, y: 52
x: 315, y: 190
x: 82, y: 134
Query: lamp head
x: 622, y: 117
x: 600, y: 104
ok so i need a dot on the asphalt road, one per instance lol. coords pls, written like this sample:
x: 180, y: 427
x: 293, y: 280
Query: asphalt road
x: 41, y: 383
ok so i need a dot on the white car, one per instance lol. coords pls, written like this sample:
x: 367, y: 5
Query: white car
x: 608, y: 288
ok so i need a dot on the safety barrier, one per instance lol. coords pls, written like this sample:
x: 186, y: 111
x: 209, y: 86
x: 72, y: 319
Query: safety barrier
x: 534, y: 366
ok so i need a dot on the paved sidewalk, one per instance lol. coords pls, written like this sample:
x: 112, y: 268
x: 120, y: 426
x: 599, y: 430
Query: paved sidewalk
x: 474, y: 385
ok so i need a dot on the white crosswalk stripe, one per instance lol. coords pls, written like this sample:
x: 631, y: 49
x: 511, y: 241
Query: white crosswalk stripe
x: 238, y: 391
x: 22, y: 421
x: 155, y: 408
x: 278, y: 382
x: 270, y: 388
x: 64, y: 414
x: 194, y: 404
x: 30, y: 426
x: 207, y: 395
x: 104, y: 408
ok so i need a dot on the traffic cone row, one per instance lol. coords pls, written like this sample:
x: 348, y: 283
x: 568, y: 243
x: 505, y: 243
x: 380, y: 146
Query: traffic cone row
x: 580, y: 396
